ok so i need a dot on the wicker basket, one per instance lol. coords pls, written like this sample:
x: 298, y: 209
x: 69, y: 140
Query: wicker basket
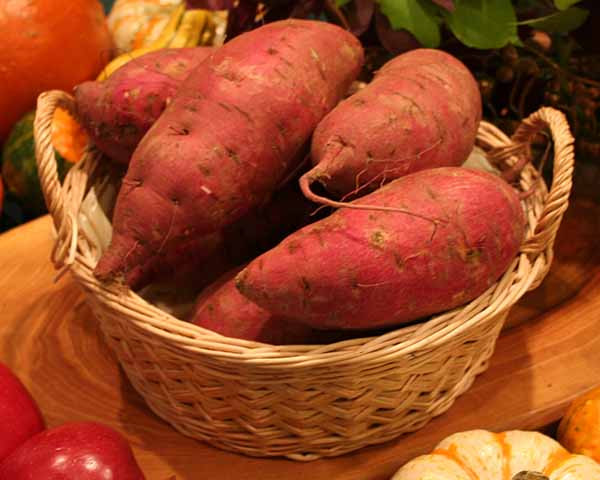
x: 305, y: 402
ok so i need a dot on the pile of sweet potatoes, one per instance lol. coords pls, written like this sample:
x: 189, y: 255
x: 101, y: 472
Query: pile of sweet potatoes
x: 229, y: 151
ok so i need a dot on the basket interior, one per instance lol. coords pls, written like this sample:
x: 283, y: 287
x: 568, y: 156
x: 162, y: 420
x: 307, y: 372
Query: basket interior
x: 90, y: 191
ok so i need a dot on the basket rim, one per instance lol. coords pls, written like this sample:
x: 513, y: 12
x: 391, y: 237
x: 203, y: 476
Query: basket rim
x: 526, y: 271
x: 203, y: 341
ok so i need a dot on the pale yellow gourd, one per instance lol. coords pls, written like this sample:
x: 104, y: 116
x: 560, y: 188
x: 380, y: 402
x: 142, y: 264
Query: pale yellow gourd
x: 483, y: 455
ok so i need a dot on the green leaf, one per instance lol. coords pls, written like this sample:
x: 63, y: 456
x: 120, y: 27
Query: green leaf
x: 484, y: 24
x: 564, y: 4
x: 341, y: 3
x: 416, y: 16
x: 564, y: 50
x: 560, y: 22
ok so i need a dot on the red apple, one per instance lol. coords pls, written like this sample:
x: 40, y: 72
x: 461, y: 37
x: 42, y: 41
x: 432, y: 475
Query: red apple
x: 74, y: 451
x: 20, y: 417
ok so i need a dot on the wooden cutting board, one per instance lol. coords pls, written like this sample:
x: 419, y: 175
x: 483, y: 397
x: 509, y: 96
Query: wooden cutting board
x: 51, y: 340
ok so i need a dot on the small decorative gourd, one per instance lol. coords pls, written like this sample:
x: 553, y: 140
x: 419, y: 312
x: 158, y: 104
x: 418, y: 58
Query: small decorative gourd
x: 579, y: 430
x: 513, y: 455
x: 137, y: 23
x: 68, y: 137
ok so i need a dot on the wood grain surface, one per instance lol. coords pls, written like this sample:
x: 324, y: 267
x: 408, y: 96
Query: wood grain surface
x: 49, y: 337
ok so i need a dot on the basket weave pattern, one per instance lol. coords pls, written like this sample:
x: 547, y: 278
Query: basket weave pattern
x: 299, y: 401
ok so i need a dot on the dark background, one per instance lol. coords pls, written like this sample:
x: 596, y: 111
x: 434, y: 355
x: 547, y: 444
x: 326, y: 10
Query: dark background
x: 107, y: 4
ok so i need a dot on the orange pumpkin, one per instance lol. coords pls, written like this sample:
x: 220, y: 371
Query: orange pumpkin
x: 47, y: 44
x: 579, y: 430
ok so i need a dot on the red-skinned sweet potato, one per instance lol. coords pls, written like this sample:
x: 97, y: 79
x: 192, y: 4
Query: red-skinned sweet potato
x: 117, y: 112
x: 421, y: 110
x: 229, y: 137
x: 200, y: 261
x: 456, y: 232
x: 222, y: 309
x: 205, y: 259
x: 263, y: 228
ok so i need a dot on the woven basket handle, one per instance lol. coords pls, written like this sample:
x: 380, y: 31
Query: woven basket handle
x: 47, y: 169
x: 557, y: 200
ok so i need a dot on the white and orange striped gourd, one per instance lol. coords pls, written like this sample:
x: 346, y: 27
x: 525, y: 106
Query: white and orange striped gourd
x: 483, y: 455
x: 136, y: 24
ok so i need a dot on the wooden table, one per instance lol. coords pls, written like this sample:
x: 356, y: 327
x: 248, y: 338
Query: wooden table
x: 51, y: 340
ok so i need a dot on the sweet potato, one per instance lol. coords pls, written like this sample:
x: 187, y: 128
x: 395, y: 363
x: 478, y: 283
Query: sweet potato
x: 117, y: 112
x: 222, y: 309
x: 205, y: 258
x: 201, y: 260
x: 421, y: 110
x: 448, y: 234
x: 263, y: 228
x: 229, y: 137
